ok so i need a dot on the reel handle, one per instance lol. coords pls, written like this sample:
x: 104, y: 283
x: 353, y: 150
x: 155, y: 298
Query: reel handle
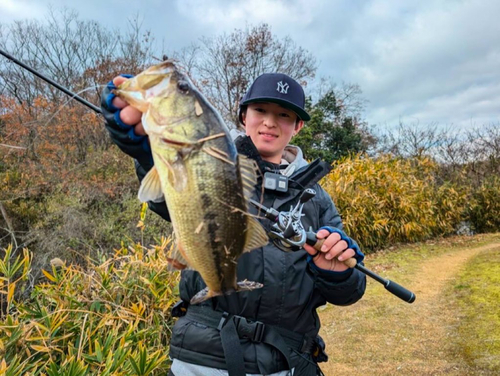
x: 307, y: 195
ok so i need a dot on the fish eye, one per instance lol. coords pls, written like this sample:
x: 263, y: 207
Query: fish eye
x: 183, y: 86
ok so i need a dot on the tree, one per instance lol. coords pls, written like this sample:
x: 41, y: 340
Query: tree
x: 412, y: 140
x: 80, y: 55
x: 52, y: 148
x: 68, y: 50
x: 334, y: 130
x: 224, y: 65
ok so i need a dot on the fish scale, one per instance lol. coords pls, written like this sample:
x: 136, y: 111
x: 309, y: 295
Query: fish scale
x: 205, y: 183
x: 187, y: 216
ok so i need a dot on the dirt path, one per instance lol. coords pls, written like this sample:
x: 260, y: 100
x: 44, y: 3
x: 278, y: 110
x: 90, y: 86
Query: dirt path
x: 384, y: 336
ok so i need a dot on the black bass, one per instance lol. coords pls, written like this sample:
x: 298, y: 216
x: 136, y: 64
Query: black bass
x: 205, y: 182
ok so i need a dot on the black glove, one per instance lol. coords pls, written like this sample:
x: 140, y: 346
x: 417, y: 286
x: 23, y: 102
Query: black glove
x: 123, y: 135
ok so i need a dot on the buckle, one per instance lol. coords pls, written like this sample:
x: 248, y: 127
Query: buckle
x: 223, y: 319
x: 253, y: 330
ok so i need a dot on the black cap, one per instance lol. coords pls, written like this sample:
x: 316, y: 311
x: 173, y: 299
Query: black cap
x: 278, y: 88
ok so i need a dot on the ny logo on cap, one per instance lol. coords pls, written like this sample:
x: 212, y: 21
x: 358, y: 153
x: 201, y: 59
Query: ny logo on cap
x: 282, y: 87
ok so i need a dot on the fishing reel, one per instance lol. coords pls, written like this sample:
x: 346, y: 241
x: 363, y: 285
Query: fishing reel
x: 287, y: 232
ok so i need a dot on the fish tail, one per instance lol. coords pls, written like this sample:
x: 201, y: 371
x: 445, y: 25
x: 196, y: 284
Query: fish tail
x: 204, y: 294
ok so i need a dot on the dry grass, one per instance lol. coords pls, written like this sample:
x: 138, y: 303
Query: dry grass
x: 382, y: 335
x: 112, y: 318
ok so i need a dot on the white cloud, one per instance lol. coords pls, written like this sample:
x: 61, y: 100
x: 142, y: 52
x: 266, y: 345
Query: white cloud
x: 18, y: 9
x: 229, y: 14
x: 442, y: 55
x: 432, y: 61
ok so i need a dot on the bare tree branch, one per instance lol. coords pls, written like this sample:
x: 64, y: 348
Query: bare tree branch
x: 8, y: 222
x: 223, y: 66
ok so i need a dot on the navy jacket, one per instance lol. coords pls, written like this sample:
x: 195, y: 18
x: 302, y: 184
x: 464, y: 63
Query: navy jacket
x: 293, y: 286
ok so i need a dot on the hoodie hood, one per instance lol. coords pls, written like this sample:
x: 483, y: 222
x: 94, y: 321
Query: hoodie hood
x: 292, y: 155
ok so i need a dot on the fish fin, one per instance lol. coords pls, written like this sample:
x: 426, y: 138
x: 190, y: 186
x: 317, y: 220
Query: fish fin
x: 249, y: 171
x: 204, y: 294
x: 150, y: 189
x: 256, y: 236
x: 248, y: 285
x: 176, y: 261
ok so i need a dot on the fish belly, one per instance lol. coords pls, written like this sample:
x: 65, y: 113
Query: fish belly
x: 208, y: 219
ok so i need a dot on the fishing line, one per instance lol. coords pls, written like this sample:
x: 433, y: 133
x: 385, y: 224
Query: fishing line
x: 74, y: 96
x: 53, y: 83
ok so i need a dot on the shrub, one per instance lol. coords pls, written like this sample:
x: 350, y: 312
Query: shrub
x: 450, y: 203
x: 87, y: 208
x: 111, y: 319
x: 389, y: 200
x: 484, y: 209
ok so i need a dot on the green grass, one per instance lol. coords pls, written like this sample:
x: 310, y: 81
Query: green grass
x: 401, y: 262
x: 477, y: 294
x: 453, y: 331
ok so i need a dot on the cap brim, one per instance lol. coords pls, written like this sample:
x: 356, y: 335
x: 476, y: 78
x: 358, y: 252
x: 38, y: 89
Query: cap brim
x: 286, y: 104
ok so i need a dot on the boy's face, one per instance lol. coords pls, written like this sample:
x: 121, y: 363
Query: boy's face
x: 270, y: 126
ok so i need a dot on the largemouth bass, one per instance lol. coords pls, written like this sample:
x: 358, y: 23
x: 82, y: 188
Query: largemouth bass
x: 205, y: 182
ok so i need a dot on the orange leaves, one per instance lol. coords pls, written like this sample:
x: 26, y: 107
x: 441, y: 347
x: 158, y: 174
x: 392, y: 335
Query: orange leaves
x: 56, y: 142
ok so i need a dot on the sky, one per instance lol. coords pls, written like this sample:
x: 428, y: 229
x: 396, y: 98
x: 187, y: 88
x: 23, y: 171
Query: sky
x: 428, y: 62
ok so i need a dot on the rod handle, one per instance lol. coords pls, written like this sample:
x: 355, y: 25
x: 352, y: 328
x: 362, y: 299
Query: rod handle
x: 399, y: 291
x: 317, y: 243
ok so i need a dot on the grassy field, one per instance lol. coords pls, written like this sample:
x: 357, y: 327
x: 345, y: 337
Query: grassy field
x: 453, y: 328
x: 477, y: 296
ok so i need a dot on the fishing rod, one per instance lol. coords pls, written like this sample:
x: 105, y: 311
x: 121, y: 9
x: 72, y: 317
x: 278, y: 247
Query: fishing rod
x: 288, y: 229
x: 46, y: 79
x: 288, y: 232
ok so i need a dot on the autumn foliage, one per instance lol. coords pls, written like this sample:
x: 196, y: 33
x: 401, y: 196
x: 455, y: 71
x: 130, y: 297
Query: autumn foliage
x: 388, y: 200
x: 44, y: 139
x: 64, y: 187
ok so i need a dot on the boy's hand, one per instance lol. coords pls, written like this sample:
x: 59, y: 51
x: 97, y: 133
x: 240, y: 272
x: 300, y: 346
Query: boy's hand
x: 333, y: 252
x: 124, y: 126
x: 128, y: 114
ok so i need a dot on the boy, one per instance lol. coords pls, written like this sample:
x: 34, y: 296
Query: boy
x: 272, y: 330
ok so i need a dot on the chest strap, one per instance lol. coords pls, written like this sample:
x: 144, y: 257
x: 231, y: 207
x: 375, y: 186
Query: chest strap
x: 233, y: 327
